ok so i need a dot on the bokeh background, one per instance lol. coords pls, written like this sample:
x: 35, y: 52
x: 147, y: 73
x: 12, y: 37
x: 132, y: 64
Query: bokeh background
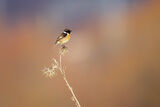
x: 113, y: 59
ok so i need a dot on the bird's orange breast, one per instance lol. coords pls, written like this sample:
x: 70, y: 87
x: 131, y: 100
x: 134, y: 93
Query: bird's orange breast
x: 65, y: 39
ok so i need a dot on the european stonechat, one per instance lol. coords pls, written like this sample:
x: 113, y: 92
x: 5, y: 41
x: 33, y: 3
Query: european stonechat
x: 64, y: 37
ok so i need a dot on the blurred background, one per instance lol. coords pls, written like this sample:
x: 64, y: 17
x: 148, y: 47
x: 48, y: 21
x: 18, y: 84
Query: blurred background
x: 113, y: 59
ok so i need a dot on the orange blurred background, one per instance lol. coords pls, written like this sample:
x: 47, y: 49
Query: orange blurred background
x: 113, y: 59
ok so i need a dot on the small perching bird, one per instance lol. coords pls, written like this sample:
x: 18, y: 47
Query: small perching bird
x: 64, y: 37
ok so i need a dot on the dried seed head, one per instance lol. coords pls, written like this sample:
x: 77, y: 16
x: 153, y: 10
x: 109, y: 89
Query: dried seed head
x: 51, y: 71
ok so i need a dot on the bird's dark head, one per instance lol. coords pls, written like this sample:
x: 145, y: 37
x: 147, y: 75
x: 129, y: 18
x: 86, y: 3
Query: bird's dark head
x: 68, y: 30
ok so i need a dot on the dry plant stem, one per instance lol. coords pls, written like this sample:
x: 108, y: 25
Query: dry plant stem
x: 67, y: 83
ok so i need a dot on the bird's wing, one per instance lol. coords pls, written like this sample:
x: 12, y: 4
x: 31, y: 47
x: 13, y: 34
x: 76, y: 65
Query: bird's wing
x: 60, y: 37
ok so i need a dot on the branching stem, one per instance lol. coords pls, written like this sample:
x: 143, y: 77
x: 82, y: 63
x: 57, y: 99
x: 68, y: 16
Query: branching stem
x: 74, y: 98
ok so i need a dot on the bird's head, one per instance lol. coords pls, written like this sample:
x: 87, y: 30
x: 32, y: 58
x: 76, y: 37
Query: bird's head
x: 67, y: 31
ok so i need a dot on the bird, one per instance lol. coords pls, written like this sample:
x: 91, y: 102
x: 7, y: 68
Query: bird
x: 64, y: 37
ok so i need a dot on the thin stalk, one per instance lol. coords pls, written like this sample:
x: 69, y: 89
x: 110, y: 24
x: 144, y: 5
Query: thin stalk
x: 67, y: 83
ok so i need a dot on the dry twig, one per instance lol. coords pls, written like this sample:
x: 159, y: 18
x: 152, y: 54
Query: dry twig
x: 50, y: 72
